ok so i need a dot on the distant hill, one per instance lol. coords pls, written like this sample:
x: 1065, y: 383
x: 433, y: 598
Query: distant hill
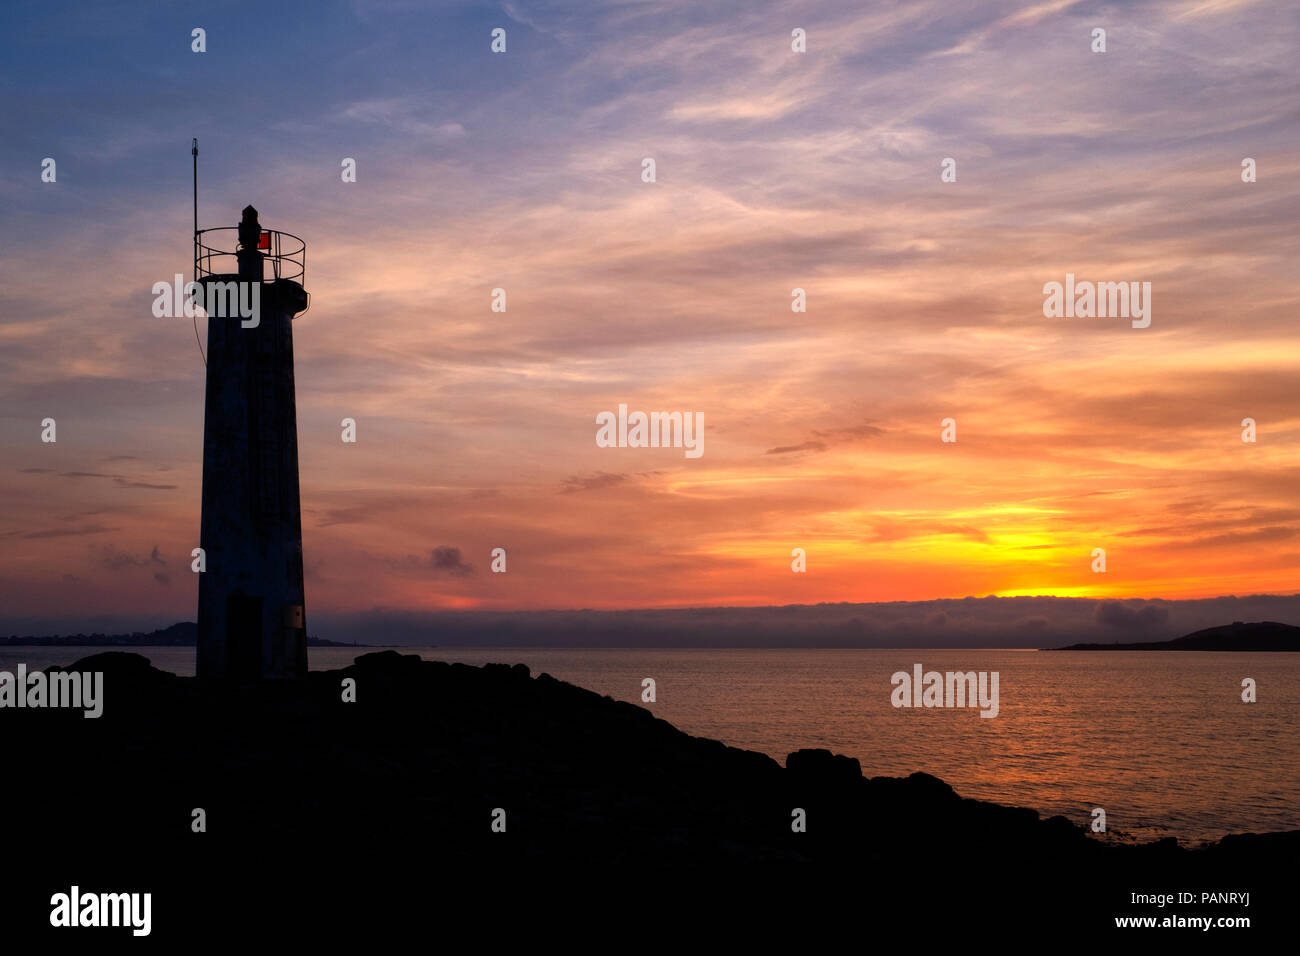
x: 182, y: 634
x: 968, y: 622
x: 1237, y: 636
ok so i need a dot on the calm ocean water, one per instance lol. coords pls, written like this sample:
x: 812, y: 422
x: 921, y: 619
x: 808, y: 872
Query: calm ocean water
x: 1161, y: 740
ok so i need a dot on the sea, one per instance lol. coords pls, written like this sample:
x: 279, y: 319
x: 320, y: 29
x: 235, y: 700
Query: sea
x: 1161, y: 741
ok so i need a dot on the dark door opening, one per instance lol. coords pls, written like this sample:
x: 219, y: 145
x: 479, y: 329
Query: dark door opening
x: 244, y: 637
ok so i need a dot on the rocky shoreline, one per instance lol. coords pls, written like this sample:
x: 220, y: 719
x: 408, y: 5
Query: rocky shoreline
x: 494, y: 773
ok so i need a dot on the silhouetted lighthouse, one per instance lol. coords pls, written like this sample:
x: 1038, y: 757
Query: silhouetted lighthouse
x: 251, y: 617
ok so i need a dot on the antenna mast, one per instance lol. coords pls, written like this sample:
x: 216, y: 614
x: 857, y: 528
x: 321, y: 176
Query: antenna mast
x: 194, y: 151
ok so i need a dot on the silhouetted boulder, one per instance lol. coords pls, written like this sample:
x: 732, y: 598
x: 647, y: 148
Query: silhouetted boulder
x: 823, y: 768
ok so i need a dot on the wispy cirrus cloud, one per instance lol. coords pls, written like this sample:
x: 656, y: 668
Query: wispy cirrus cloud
x: 776, y: 170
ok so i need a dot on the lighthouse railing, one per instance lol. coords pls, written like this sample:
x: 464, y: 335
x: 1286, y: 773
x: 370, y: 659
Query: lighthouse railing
x: 284, y: 254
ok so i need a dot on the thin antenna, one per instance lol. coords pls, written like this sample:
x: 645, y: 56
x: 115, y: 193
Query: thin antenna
x: 194, y: 151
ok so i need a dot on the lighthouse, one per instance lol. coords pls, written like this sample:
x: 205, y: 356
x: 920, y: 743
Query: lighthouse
x: 252, y: 624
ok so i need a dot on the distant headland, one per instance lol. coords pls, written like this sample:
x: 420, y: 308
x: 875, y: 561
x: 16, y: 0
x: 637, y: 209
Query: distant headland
x: 1237, y: 636
x: 182, y: 634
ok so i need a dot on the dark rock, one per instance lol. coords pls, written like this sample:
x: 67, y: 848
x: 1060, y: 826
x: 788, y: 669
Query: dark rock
x: 823, y: 767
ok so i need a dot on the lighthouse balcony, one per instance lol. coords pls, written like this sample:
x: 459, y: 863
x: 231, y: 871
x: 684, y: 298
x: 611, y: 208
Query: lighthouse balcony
x: 283, y: 257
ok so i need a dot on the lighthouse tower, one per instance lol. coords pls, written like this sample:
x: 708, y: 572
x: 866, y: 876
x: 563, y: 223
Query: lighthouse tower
x: 251, y: 620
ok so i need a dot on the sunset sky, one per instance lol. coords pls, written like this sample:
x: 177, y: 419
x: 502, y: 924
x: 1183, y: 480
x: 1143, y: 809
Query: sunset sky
x: 775, y: 170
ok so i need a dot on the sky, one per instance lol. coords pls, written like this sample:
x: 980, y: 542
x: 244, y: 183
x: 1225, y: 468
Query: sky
x: 774, y: 170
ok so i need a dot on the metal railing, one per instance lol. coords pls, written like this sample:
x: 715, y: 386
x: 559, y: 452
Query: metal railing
x: 284, y: 257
